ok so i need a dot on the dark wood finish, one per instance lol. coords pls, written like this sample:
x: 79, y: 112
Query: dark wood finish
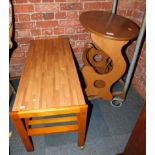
x: 137, y: 141
x: 109, y: 25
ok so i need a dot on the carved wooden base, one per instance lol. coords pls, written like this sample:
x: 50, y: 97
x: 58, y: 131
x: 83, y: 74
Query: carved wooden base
x: 101, y: 74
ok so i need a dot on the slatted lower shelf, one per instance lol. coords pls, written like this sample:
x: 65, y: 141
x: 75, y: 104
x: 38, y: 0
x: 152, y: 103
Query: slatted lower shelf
x: 50, y: 130
x: 52, y: 120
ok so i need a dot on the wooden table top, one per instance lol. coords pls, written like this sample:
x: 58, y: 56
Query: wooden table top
x: 49, y: 78
x: 109, y: 25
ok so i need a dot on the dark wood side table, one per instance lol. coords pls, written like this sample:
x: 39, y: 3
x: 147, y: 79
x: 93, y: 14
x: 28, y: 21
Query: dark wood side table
x: 109, y: 33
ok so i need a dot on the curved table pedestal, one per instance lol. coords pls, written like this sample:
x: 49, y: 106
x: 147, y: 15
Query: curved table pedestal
x: 99, y: 84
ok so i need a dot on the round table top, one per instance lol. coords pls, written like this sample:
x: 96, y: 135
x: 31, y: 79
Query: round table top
x: 109, y: 25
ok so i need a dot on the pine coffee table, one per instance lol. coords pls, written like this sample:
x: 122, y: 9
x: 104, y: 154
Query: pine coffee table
x: 49, y: 92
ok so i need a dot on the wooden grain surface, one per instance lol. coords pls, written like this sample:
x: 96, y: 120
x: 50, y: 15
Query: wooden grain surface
x: 109, y: 25
x: 49, y: 78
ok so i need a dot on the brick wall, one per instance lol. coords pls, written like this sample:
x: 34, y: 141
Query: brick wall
x: 37, y: 19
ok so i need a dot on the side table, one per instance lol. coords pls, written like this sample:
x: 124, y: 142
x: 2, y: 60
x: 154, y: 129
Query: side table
x: 110, y: 33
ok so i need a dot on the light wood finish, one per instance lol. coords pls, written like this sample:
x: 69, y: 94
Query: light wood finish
x: 20, y: 127
x: 82, y: 117
x: 52, y: 120
x: 47, y: 112
x: 119, y: 67
x: 49, y: 86
x: 54, y: 129
x: 49, y: 78
x: 109, y: 33
x: 108, y: 25
x: 88, y: 57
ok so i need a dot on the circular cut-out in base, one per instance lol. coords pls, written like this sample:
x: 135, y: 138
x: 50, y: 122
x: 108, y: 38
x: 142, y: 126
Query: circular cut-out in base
x: 99, y: 83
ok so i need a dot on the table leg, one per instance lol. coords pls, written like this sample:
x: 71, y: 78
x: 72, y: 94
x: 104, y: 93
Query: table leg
x: 82, y: 117
x: 20, y: 127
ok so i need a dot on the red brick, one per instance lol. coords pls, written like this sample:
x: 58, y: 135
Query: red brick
x: 78, y: 49
x: 25, y: 48
x: 80, y: 43
x: 36, y: 32
x: 59, y: 31
x: 71, y: 6
x: 121, y: 12
x: 46, y: 24
x: 60, y: 0
x: 23, y: 40
x: 18, y: 49
x: 48, y: 16
x: 23, y: 33
x: 23, y: 8
x: 21, y: 1
x: 93, y: 5
x: 129, y: 12
x: 69, y: 22
x: 47, y: 32
x: 72, y: 15
x: 17, y: 61
x: 81, y: 29
x: 138, y: 14
x: 24, y: 17
x: 35, y: 1
x: 128, y: 4
x: 72, y: 43
x: 15, y: 70
x: 141, y: 5
x: 69, y: 30
x: 37, y: 16
x: 91, y: 0
x: 84, y: 36
x: 18, y: 55
x: 73, y: 37
x: 25, y: 25
x: 46, y: 7
x: 60, y: 15
x: 47, y: 0
x: 106, y: 5
x: 71, y: 0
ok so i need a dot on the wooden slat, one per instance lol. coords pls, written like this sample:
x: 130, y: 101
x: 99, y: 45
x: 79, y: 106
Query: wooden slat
x: 49, y: 78
x: 52, y: 120
x: 27, y: 122
x: 49, y: 112
x: 50, y: 130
